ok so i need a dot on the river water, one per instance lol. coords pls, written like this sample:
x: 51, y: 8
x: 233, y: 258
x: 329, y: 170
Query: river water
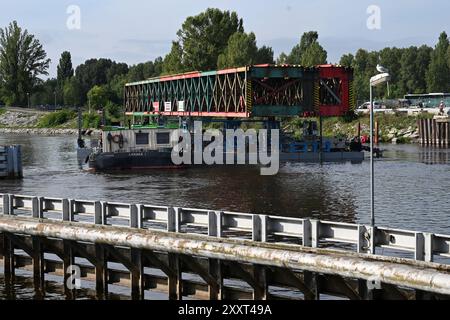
x: 412, y: 185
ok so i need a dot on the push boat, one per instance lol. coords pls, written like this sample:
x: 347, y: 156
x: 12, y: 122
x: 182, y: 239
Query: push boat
x: 149, y: 146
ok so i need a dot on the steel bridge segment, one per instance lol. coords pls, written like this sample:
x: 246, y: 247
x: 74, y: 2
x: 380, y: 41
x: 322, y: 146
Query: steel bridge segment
x: 252, y: 91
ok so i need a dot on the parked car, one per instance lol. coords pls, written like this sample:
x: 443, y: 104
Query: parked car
x: 365, y: 107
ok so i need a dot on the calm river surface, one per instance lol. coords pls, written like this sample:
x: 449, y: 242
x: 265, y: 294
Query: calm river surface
x: 412, y: 185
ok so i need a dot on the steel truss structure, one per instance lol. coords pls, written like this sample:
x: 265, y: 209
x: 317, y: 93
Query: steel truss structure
x: 251, y: 91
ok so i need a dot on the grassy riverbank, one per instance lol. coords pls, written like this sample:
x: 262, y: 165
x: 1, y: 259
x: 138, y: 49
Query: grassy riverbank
x: 24, y: 121
x: 21, y: 118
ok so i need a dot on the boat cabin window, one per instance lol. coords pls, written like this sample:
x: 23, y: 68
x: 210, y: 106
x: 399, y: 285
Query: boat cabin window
x: 141, y: 138
x: 162, y: 138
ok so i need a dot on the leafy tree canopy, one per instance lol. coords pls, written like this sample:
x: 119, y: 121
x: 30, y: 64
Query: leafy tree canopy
x: 22, y: 61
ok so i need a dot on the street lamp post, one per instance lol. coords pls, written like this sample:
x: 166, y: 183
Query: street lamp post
x: 28, y: 96
x: 374, y: 81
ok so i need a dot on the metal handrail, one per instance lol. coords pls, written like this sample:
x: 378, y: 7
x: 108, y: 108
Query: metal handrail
x: 224, y: 224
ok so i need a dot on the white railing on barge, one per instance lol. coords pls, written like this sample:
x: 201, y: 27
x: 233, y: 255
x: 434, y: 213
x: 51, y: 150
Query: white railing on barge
x: 265, y: 228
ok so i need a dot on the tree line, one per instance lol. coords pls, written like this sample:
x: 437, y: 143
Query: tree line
x: 213, y: 39
x: 413, y: 70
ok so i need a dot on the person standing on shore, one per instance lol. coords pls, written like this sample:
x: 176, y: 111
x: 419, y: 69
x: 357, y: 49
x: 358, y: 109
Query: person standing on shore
x: 441, y: 108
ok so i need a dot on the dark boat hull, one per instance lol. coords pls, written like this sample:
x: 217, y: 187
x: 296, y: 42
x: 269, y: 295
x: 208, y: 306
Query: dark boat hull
x: 139, y: 160
x: 154, y: 159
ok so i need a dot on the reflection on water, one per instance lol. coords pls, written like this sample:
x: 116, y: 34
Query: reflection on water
x: 411, y: 185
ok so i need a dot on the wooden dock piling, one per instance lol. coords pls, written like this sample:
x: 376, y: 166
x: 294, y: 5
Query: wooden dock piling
x: 434, y: 132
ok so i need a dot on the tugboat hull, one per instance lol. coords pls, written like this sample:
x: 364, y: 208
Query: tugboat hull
x: 138, y: 160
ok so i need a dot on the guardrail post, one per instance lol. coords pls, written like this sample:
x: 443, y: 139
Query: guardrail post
x: 363, y: 239
x: 419, y: 252
x: 11, y: 204
x: 170, y: 219
x: 135, y: 221
x: 173, y: 219
x: 66, y: 212
x: 212, y: 224
x: 99, y: 214
x: 259, y: 230
x: 428, y: 246
x: 41, y: 207
x: 141, y: 213
x: 6, y: 204
x: 219, y: 217
x: 315, y: 233
x: 105, y: 213
x: 35, y: 207
x: 72, y: 209
x: 307, y: 237
x: 372, y: 239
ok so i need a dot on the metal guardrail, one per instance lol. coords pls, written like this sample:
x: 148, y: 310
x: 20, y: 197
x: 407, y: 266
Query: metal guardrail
x: 224, y: 224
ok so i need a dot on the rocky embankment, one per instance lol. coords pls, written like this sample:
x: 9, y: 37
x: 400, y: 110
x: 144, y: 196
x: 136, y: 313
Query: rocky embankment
x: 16, y: 121
x: 395, y: 135
x: 391, y: 131
x: 19, y: 119
x: 43, y: 131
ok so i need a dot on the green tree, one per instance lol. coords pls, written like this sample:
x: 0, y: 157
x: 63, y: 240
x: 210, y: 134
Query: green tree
x: 113, y: 111
x: 347, y: 60
x: 65, y: 69
x: 22, y: 61
x: 241, y: 51
x: 64, y: 72
x: 408, y: 81
x: 145, y: 70
x: 44, y: 93
x: 201, y: 39
x: 116, y: 88
x: 282, y: 58
x: 98, y: 97
x: 97, y: 72
x: 315, y: 54
x: 361, y: 65
x: 438, y: 75
x: 157, y: 67
x: 308, y: 46
x: 264, y: 55
x: 72, y: 92
x: 422, y: 64
x: 173, y: 62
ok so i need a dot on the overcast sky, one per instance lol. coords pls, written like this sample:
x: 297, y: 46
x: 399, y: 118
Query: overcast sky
x: 134, y: 31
